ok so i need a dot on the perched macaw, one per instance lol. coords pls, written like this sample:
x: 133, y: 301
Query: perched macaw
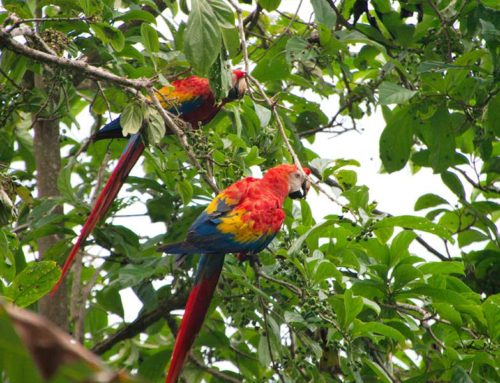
x: 192, y: 100
x: 244, y: 219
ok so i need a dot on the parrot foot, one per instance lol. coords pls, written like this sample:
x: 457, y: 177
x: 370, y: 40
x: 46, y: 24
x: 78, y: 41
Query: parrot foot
x: 250, y: 257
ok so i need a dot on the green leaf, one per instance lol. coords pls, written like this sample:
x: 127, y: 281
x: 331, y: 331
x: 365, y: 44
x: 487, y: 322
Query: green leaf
x: 263, y: 113
x: 352, y: 307
x: 396, y: 140
x: 454, y: 184
x: 324, y: 13
x: 137, y: 15
x: 429, y: 200
x: 150, y: 38
x: 391, y: 93
x: 442, y: 268
x: 437, y: 133
x: 346, y: 178
x: 378, y: 370
x: 223, y: 13
x: 269, y: 5
x: 263, y: 351
x: 7, y: 208
x: 109, y: 35
x: 378, y: 328
x: 132, y: 118
x: 16, y: 362
x: 415, y: 223
x: 293, y: 317
x: 491, y: 310
x: 64, y: 183
x: 325, y: 269
x: 7, y: 259
x: 448, y: 312
x: 110, y: 298
x: 155, y: 126
x: 36, y: 280
x: 185, y: 190
x: 439, y: 295
x: 202, y: 39
x: 470, y: 236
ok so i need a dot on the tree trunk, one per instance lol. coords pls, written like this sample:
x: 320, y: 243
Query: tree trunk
x: 48, y: 166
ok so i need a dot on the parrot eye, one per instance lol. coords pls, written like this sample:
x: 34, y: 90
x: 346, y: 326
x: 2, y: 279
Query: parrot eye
x: 297, y: 175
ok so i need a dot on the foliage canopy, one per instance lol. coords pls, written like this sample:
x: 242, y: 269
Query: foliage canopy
x: 357, y: 295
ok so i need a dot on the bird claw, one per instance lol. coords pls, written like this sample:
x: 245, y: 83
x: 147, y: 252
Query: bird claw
x: 250, y: 257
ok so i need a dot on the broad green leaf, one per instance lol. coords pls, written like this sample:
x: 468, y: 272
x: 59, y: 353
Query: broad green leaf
x: 324, y: 13
x: 448, y: 312
x: 16, y: 362
x: 352, y: 307
x: 150, y: 38
x: 185, y: 190
x: 110, y: 298
x: 378, y: 370
x: 155, y: 126
x: 491, y: 310
x: 470, y: 236
x: 36, y: 280
x: 325, y: 269
x: 396, y: 140
x: 429, y: 200
x: 223, y: 13
x: 454, y: 184
x: 109, y: 35
x: 451, y: 267
x: 263, y: 113
x: 440, y: 295
x: 263, y: 351
x: 7, y: 208
x: 64, y: 184
x: 293, y: 317
x: 438, y: 135
x: 269, y: 5
x: 137, y: 15
x: 346, y: 178
x: 361, y: 329
x: 202, y: 39
x: 132, y: 118
x: 415, y: 223
x: 391, y: 93
x: 7, y: 259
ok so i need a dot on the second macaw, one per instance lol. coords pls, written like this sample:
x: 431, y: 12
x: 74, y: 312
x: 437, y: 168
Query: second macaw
x: 244, y: 219
x: 192, y: 100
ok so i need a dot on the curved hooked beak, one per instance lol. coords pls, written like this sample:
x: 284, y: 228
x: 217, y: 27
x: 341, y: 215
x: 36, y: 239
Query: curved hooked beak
x: 306, y: 185
x: 238, y: 90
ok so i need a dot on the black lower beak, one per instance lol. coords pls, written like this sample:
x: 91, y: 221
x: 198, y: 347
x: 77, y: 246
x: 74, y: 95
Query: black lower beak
x: 300, y: 193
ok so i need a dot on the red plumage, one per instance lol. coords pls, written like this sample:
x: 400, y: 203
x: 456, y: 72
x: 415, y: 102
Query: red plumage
x: 193, y: 101
x: 244, y: 218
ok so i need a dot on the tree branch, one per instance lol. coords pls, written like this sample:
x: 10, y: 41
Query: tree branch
x: 142, y: 322
x: 94, y: 72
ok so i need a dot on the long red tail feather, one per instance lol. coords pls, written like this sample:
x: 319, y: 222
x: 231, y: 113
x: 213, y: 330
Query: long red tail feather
x: 208, y: 273
x: 132, y: 152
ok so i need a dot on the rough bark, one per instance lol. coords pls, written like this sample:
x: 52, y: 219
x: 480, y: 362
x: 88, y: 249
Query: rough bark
x: 48, y: 166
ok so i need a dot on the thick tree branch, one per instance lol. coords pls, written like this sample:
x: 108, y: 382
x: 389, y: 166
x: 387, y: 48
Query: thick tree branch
x: 142, y: 322
x: 6, y: 41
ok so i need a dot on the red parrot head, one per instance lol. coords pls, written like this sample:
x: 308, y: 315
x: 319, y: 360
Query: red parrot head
x: 239, y: 85
x: 289, y: 180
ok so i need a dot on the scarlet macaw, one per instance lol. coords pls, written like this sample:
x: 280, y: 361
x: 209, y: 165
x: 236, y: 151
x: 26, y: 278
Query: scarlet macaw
x: 244, y: 218
x: 193, y: 101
